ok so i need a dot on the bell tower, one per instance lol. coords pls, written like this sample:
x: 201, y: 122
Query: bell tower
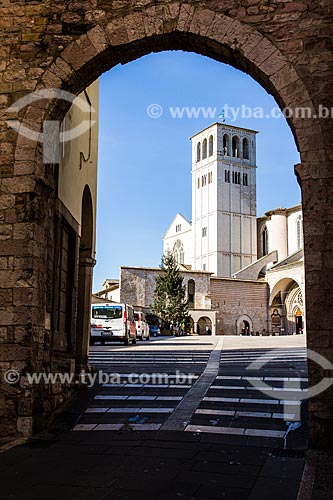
x: 224, y: 199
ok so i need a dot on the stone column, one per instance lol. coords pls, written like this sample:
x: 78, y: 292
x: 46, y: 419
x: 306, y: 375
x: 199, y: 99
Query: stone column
x: 316, y: 180
x: 25, y: 265
x: 86, y: 265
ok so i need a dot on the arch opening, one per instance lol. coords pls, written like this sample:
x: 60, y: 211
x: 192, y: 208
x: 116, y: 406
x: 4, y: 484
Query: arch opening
x: 244, y: 325
x: 191, y: 293
x: 93, y: 66
x: 286, y: 308
x: 204, y: 326
x: 85, y: 275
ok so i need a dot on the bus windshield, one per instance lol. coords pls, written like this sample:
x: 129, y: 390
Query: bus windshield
x: 107, y: 312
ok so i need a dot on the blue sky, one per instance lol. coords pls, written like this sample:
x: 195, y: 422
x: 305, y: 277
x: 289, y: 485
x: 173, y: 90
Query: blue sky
x: 144, y: 167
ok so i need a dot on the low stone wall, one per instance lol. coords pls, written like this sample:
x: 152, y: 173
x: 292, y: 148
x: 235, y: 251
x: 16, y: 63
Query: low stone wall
x: 137, y: 285
x: 234, y: 299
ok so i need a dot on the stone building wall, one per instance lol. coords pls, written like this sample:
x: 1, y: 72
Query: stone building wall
x: 236, y: 299
x: 59, y: 340
x: 137, y: 286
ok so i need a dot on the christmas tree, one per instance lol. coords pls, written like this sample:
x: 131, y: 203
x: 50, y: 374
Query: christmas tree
x: 169, y: 297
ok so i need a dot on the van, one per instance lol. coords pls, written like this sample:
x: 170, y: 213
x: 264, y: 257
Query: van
x: 142, y: 327
x: 111, y: 321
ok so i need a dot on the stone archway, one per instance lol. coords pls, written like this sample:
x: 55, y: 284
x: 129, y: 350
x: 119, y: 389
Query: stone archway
x: 204, y: 326
x: 68, y: 48
x: 244, y: 322
x: 86, y: 264
x: 286, y: 298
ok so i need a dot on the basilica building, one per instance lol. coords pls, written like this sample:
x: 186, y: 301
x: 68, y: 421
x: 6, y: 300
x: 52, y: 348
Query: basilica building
x: 227, y: 239
x: 242, y: 274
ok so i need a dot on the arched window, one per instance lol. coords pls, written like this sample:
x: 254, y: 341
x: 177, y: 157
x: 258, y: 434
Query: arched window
x: 178, y: 251
x: 191, y: 293
x: 199, y: 151
x: 264, y: 241
x: 246, y: 152
x: 204, y: 149
x: 226, y: 145
x: 299, y: 229
x: 235, y: 146
x: 211, y: 145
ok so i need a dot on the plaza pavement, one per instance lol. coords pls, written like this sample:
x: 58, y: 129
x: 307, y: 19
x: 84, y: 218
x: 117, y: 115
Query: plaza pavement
x: 189, y: 450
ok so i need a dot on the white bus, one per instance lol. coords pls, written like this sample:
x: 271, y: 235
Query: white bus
x: 111, y: 321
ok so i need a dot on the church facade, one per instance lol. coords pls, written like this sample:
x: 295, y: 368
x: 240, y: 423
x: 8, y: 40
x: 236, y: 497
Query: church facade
x: 242, y: 252
x: 242, y: 274
x: 222, y: 235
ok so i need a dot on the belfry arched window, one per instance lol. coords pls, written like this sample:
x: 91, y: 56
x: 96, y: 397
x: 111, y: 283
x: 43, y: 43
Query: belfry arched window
x: 246, y: 152
x: 199, y: 151
x: 191, y: 293
x: 299, y: 230
x: 264, y: 241
x: 178, y: 251
x: 204, y: 149
x: 235, y: 146
x: 226, y: 145
x: 211, y: 145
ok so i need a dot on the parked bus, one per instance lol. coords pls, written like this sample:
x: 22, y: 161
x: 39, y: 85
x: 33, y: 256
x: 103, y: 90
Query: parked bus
x: 111, y: 321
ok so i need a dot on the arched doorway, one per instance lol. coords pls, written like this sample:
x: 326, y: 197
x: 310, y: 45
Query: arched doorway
x: 204, y: 326
x: 86, y: 264
x: 245, y: 328
x: 299, y: 321
x: 118, y: 36
x: 244, y: 325
x: 189, y: 325
x: 286, y: 308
